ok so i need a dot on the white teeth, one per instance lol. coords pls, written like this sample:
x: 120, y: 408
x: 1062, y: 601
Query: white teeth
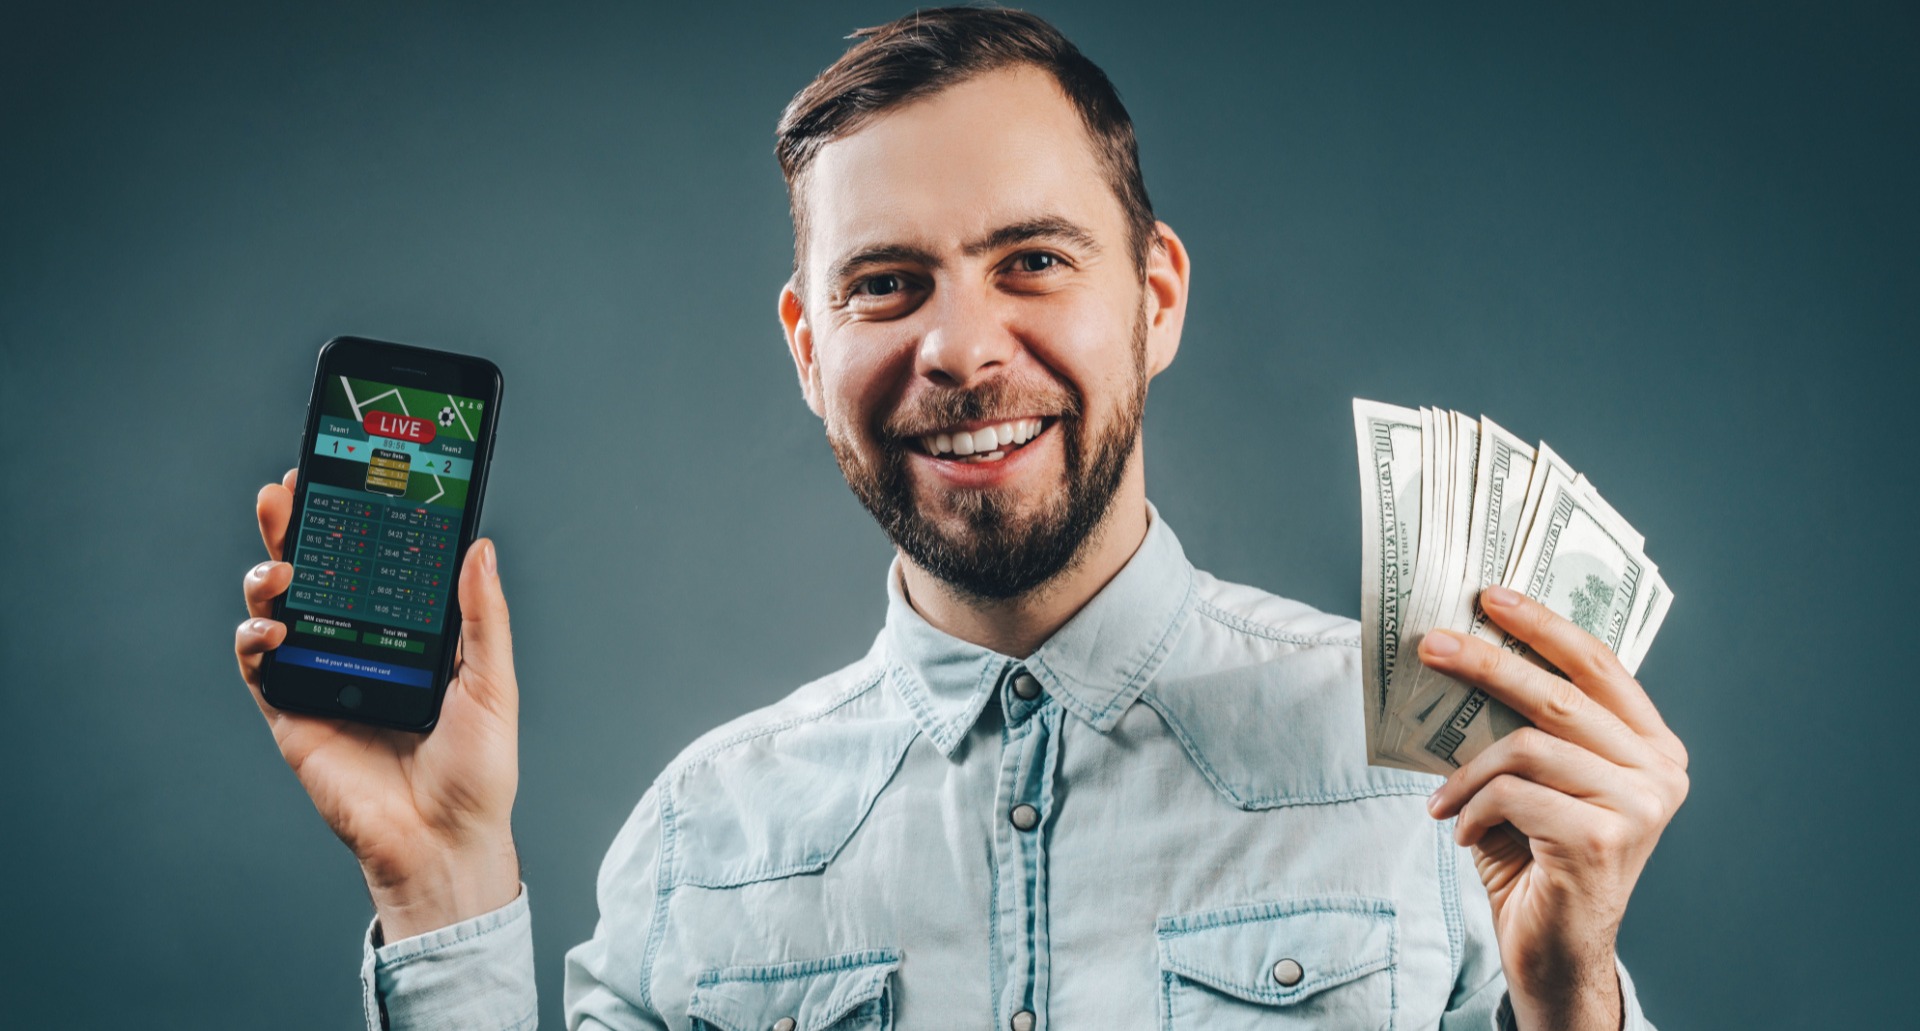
x: 986, y: 444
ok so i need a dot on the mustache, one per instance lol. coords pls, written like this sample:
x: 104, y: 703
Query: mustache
x: 993, y: 401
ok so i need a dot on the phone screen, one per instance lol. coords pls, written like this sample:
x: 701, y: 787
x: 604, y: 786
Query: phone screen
x: 375, y: 543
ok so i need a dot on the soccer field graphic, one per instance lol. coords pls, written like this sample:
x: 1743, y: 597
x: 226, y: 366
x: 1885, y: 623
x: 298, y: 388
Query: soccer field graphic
x: 401, y: 465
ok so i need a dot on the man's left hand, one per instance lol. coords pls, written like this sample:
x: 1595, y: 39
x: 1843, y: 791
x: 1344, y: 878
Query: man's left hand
x: 1588, y: 789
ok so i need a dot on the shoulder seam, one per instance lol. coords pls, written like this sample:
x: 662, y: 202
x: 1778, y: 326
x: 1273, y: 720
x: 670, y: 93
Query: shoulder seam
x: 1241, y: 623
x: 860, y: 687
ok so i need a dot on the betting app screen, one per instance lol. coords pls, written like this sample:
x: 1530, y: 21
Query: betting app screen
x: 373, y: 549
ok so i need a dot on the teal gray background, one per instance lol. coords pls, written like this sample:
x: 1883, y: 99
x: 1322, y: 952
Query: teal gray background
x: 1676, y: 242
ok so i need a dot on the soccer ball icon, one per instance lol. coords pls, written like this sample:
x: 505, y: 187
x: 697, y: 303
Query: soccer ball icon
x: 446, y: 416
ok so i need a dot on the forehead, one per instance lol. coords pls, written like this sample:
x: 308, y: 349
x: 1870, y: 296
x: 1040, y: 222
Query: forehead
x: 998, y: 148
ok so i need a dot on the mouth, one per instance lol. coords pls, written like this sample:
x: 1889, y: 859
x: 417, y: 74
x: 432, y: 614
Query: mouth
x: 978, y: 444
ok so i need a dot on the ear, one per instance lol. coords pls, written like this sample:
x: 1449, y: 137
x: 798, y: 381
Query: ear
x: 793, y: 319
x: 1168, y: 272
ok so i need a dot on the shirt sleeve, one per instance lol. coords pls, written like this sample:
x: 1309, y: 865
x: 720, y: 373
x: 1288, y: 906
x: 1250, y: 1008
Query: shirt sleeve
x: 476, y: 974
x: 1480, y: 1001
x: 609, y: 977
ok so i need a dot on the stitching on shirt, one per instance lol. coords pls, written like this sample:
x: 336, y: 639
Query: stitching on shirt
x: 1173, y: 927
x: 859, y: 688
x: 1449, y: 892
x: 408, y: 949
x: 1268, y: 801
x: 1160, y: 648
x: 995, y: 985
x: 1241, y: 623
x: 1141, y: 673
x: 911, y: 693
x: 663, y: 887
x: 817, y: 859
x: 983, y: 689
x: 1393, y: 973
x: 773, y: 972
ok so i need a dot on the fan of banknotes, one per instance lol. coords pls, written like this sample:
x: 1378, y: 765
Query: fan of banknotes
x: 1451, y: 505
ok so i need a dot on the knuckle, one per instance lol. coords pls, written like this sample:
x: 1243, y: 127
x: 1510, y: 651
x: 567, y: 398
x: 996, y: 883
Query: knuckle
x: 1501, y: 790
x: 1679, y: 749
x: 1677, y: 787
x: 1531, y: 743
x: 1564, y: 701
x: 1647, y: 809
x: 1607, y: 836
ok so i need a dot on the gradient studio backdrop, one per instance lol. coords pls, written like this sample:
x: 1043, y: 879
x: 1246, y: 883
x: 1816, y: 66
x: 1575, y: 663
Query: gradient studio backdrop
x: 1676, y: 243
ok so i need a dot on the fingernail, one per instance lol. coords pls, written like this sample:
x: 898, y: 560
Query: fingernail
x: 1440, y: 643
x: 260, y: 626
x: 1433, y: 801
x: 261, y: 570
x: 1500, y: 596
x: 486, y: 559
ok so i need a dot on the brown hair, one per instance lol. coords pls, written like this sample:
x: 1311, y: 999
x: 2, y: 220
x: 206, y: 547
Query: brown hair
x: 927, y: 51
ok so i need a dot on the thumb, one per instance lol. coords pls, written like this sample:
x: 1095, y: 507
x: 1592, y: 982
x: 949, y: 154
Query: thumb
x: 486, y: 638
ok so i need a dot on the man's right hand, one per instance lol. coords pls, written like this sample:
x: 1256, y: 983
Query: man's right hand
x: 429, y: 817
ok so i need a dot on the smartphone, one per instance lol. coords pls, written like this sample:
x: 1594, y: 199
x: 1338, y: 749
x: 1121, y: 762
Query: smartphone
x: 393, y: 466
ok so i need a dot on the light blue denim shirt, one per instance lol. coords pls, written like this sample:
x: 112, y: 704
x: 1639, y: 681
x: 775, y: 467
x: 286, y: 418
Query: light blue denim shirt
x: 1163, y: 818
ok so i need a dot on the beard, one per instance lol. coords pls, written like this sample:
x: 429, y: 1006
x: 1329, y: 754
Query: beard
x: 998, y: 551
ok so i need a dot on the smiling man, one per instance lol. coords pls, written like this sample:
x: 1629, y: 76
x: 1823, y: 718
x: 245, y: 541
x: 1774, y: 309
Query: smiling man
x: 1075, y: 782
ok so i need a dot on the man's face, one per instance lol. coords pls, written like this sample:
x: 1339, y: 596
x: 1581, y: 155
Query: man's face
x: 976, y: 334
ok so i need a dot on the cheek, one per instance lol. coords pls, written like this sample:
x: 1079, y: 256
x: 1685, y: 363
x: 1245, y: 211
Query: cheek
x: 1088, y: 341
x: 858, y: 374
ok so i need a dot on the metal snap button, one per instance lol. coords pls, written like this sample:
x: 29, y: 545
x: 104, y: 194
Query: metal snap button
x: 1022, y: 1021
x: 1026, y: 687
x: 1024, y: 817
x: 784, y: 1024
x: 1288, y: 973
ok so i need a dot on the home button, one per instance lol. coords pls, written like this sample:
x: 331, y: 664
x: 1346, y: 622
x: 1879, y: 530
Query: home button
x: 349, y: 697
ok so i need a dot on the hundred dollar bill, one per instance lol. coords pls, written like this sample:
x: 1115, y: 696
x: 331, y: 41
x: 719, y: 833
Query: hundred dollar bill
x: 1647, y: 624
x: 1502, y: 465
x: 1390, y: 441
x: 1441, y: 567
x: 1579, y: 561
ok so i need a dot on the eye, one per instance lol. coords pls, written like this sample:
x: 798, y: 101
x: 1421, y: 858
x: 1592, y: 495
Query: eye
x: 880, y: 286
x: 1035, y: 261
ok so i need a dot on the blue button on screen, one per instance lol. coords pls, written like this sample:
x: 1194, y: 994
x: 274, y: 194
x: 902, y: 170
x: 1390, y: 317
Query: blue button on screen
x: 409, y: 675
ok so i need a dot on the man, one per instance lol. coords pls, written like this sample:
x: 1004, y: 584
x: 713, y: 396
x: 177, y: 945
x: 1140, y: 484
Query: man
x: 1075, y: 783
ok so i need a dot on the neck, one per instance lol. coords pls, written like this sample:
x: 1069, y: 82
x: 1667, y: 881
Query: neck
x: 1017, y: 626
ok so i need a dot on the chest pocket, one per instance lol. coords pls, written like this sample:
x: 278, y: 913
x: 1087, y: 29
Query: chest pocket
x: 843, y: 993
x: 1318, y: 962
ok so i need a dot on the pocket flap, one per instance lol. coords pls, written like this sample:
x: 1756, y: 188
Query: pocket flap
x: 815, y: 993
x: 1244, y: 951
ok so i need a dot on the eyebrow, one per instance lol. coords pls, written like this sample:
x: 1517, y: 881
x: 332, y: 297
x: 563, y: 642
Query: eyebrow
x: 1043, y: 227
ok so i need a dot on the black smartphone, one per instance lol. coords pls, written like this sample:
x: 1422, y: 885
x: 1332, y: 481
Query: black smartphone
x: 393, y: 466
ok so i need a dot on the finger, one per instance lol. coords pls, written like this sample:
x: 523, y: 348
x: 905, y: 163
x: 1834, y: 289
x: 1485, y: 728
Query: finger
x: 1539, y: 812
x: 274, y: 508
x: 486, y: 636
x: 1534, y: 755
x: 252, y: 639
x: 1584, y: 658
x: 263, y: 583
x: 1549, y: 702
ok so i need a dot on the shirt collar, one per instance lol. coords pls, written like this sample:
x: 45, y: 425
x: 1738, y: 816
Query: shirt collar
x: 1096, y: 665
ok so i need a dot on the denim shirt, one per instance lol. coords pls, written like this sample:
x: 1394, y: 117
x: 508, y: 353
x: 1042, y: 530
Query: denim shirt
x: 1162, y: 818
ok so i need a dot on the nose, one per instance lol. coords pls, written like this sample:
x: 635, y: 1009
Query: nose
x: 965, y: 339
